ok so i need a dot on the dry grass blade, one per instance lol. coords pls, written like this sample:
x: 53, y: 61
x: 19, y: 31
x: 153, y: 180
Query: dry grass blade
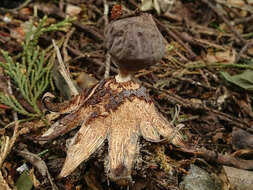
x: 3, y: 184
x: 213, y: 7
x: 7, y: 143
x: 64, y: 72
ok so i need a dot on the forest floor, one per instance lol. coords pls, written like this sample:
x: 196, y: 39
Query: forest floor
x: 203, y: 84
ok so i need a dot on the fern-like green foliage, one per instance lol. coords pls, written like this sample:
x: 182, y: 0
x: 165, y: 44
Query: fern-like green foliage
x: 30, y: 73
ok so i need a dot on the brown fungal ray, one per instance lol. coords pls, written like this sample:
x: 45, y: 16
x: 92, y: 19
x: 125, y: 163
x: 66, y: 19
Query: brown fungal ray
x: 70, y: 105
x: 62, y: 107
x: 123, y: 138
x: 134, y: 43
x: 166, y: 130
x: 77, y: 110
x: 149, y: 132
x: 88, y: 139
x: 132, y: 119
x: 159, y: 130
x: 66, y: 124
x: 156, y: 128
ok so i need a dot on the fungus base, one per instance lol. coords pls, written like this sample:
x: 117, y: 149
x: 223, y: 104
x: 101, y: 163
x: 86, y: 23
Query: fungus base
x: 117, y: 112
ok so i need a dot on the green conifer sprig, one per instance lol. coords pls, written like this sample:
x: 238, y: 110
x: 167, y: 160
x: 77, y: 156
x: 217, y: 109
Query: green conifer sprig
x: 31, y: 74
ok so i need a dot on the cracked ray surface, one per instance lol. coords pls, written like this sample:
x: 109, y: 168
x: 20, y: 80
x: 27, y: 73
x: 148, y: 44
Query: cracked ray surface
x: 117, y: 112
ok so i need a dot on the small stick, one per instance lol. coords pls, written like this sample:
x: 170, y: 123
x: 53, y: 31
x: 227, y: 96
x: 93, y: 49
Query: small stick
x: 17, y: 8
x: 205, y: 78
x: 107, y: 65
x: 7, y: 142
x: 94, y: 61
x: 245, y: 47
x: 4, y: 184
x: 53, y: 10
x: 14, y: 114
x: 63, y: 71
x: 214, y: 8
x: 226, y: 160
x: 38, y: 163
x: 215, y: 157
x: 196, y: 83
x: 175, y: 99
x: 245, y: 7
x: 242, y: 20
x: 108, y: 56
x: 64, y: 47
x: 106, y: 11
x: 173, y: 34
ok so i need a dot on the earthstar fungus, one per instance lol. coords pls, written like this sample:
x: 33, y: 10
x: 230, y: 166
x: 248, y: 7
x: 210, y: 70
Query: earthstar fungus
x: 117, y: 109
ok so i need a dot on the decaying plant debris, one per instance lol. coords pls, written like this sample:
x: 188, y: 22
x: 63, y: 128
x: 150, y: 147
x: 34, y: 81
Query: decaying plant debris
x: 204, y: 82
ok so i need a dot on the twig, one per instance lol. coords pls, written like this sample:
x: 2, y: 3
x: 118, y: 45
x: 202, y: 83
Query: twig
x: 244, y: 7
x: 107, y: 65
x: 215, y: 157
x: 194, y: 83
x: 64, y: 47
x: 245, y: 47
x: 213, y: 7
x: 227, y: 160
x: 95, y: 9
x: 7, y: 142
x: 201, y: 64
x: 106, y: 11
x: 133, y: 3
x: 37, y: 162
x: 172, y: 33
x: 175, y: 99
x: 61, y: 5
x: 63, y: 71
x: 14, y: 114
x: 108, y: 56
x: 205, y: 78
x: 17, y: 8
x: 242, y: 20
x: 53, y: 10
x: 3, y: 184
x: 94, y: 61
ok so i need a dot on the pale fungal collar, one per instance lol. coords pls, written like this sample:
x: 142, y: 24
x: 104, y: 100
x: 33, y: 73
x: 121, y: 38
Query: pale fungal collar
x: 119, y: 78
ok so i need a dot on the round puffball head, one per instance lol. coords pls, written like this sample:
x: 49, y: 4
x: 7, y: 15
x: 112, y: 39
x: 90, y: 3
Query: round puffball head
x: 134, y: 43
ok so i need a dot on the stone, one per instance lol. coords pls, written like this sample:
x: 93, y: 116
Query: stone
x: 199, y: 179
x: 238, y: 178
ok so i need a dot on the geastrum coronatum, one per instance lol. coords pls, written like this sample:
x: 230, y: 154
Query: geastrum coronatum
x: 117, y: 109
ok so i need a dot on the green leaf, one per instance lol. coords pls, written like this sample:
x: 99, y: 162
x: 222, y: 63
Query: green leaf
x: 243, y: 80
x: 30, y: 73
x: 24, y: 182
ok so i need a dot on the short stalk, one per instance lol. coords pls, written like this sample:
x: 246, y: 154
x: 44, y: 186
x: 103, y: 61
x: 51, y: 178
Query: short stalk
x: 123, y: 76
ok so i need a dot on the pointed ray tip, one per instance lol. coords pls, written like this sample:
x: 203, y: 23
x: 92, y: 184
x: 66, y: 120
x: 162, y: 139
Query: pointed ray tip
x: 126, y: 180
x: 64, y: 173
